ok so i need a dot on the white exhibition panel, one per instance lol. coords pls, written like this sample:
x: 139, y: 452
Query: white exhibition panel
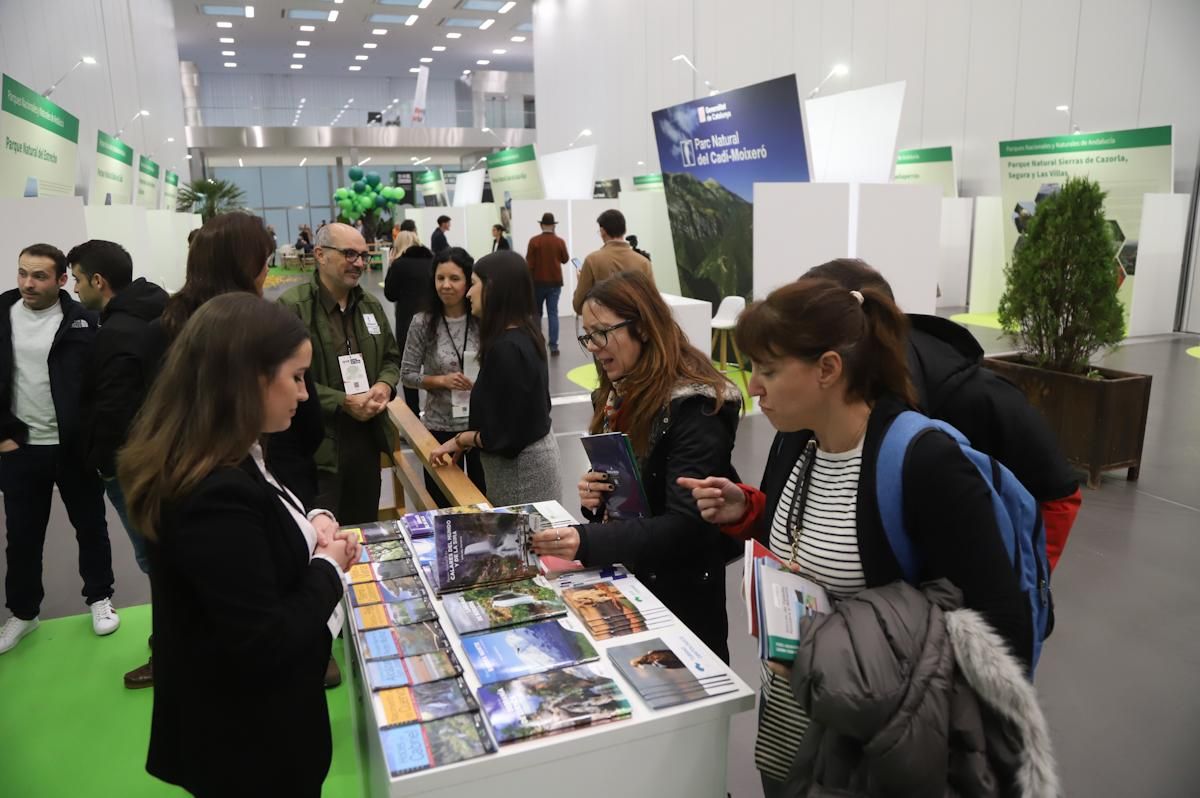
x: 954, y: 265
x: 38, y: 220
x: 797, y: 226
x: 426, y: 221
x: 987, y: 256
x: 480, y: 218
x: 128, y: 226
x: 852, y: 135
x: 468, y: 188
x: 898, y: 231
x: 1159, y: 262
x: 166, y: 234
x: 695, y: 317
x: 646, y: 217
x: 570, y: 174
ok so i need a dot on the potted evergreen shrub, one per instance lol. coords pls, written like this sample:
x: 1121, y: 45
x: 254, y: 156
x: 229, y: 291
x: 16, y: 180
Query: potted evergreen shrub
x: 1060, y: 306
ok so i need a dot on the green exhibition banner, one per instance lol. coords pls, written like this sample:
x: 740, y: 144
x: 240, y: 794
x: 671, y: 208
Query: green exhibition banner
x: 430, y: 186
x: 147, y: 190
x: 1128, y: 164
x: 41, y: 144
x: 932, y: 166
x: 170, y: 190
x: 514, y: 174
x: 652, y: 182
x: 114, y: 172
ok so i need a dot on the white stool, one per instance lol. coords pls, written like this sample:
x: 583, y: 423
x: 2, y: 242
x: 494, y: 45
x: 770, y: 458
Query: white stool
x: 723, y: 324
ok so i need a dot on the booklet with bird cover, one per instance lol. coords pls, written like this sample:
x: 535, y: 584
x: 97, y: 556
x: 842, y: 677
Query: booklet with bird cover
x: 671, y: 669
x: 404, y: 641
x: 478, y: 609
x: 555, y: 701
x: 384, y: 674
x: 390, y: 591
x: 420, y: 746
x: 612, y: 454
x: 399, y: 613
x: 384, y: 551
x: 522, y: 650
x: 420, y: 525
x: 420, y: 703
x: 481, y: 549
x: 375, y: 532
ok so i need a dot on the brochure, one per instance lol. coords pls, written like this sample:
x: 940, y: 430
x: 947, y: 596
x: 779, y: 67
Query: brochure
x: 612, y: 454
x: 420, y: 525
x: 391, y: 591
x: 401, y: 613
x: 671, y: 669
x: 482, y: 549
x: 380, y: 571
x: 397, y: 706
x: 482, y: 608
x: 440, y: 742
x: 385, y: 551
x: 404, y: 641
x: 522, y: 650
x: 782, y: 599
x: 387, y: 673
x: 542, y: 515
x: 376, y: 532
x: 611, y: 609
x: 555, y: 701
x: 755, y: 551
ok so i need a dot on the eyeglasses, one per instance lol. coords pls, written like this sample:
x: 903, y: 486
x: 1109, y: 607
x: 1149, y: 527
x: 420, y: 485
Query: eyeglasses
x: 351, y: 255
x: 599, y: 338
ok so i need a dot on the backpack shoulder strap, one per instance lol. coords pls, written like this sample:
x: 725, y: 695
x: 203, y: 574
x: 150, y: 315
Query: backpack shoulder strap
x: 889, y: 488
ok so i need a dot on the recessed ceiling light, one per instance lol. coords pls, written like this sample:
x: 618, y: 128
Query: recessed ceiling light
x: 303, y: 160
x: 228, y: 53
x: 369, y: 45
x: 483, y: 62
x: 333, y: 15
x: 225, y: 40
x: 189, y: 157
x: 504, y: 9
x: 361, y: 57
x: 426, y: 60
x: 303, y: 100
x: 297, y: 66
x: 380, y: 31
x: 224, y: 24
x: 414, y: 69
x: 240, y: 162
x: 412, y: 20
x: 303, y: 43
x: 395, y: 99
x: 518, y: 39
x: 170, y: 139
x: 299, y: 55
x: 453, y: 35
x: 354, y: 68
x: 249, y: 12
x: 424, y: 3
x: 499, y: 52
x: 350, y: 101
x: 230, y: 64
x: 308, y: 28
x: 466, y: 72
x: 439, y: 49
x: 487, y: 23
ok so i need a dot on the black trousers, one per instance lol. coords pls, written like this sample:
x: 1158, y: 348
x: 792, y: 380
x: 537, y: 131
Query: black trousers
x: 27, y: 477
x: 352, y: 492
x: 473, y: 466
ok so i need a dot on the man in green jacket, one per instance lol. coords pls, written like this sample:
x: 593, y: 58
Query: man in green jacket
x: 355, y: 365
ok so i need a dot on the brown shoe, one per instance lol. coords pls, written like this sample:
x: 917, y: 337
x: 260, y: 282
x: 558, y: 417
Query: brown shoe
x: 141, y: 677
x: 333, y: 675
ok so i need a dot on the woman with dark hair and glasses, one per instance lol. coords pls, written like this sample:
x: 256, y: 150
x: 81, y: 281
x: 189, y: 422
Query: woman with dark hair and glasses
x: 439, y: 341
x: 681, y: 416
x: 509, y: 421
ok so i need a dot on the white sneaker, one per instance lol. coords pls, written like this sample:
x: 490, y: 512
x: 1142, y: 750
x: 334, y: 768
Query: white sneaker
x: 13, y: 630
x: 104, y: 617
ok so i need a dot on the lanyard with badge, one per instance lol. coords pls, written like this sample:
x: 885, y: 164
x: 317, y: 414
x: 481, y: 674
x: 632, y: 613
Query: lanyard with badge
x: 352, y: 365
x: 460, y: 401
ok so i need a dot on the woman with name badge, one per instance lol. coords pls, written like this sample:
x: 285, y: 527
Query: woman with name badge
x: 440, y: 357
x: 509, y: 422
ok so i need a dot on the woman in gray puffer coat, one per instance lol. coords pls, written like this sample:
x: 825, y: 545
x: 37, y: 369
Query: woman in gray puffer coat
x: 909, y: 695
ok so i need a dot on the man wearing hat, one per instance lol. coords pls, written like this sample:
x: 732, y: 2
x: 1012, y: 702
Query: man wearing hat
x: 545, y: 256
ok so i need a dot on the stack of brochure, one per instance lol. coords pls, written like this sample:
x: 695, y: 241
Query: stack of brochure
x: 553, y: 701
x: 483, y: 608
x: 776, y: 600
x: 671, y: 669
x: 612, y: 609
x: 523, y: 650
x: 480, y: 549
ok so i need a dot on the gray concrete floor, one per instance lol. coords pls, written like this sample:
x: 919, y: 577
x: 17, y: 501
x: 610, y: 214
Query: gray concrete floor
x: 1119, y: 678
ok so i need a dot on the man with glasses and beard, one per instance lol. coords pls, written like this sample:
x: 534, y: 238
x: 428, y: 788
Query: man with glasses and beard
x: 355, y: 365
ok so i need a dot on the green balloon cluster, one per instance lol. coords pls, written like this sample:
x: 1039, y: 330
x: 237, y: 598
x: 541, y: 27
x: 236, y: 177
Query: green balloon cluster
x: 365, y: 195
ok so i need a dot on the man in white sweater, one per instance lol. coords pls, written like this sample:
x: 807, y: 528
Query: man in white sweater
x: 45, y: 340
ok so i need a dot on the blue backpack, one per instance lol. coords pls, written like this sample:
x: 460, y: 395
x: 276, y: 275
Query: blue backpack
x: 1016, y: 511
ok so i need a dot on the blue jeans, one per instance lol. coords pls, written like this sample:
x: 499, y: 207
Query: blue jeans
x: 548, y: 294
x: 113, y: 488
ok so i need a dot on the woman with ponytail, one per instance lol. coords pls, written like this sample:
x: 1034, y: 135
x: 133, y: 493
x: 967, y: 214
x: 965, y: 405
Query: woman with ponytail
x: 830, y: 374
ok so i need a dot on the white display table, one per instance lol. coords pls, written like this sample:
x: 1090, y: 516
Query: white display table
x: 695, y: 317
x: 669, y: 752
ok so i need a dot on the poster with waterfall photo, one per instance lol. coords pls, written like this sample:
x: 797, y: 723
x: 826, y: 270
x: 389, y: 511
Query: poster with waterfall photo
x: 712, y: 151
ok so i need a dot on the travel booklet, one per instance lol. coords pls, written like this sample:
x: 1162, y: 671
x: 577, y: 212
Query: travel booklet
x: 385, y: 551
x: 420, y: 525
x: 397, y: 706
x: 404, y: 641
x: 542, y: 515
x: 391, y: 591
x: 388, y: 673
x: 482, y: 608
x: 401, y: 613
x: 376, y: 532
x: 522, y: 650
x: 612, y: 609
x: 482, y: 549
x: 755, y: 552
x: 612, y: 454
x: 590, y: 576
x: 671, y: 670
x: 425, y: 552
x: 379, y: 571
x: 420, y: 746
x: 555, y: 701
x: 781, y: 599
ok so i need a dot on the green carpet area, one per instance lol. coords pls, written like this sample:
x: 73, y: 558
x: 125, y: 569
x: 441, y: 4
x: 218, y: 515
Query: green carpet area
x: 989, y: 320
x: 1194, y: 351
x: 69, y: 726
x: 585, y: 377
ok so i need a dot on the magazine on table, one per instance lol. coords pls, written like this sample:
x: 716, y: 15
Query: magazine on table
x: 400, y: 613
x: 384, y: 551
x: 521, y: 650
x: 479, y: 609
x: 420, y: 525
x: 420, y: 703
x: 554, y: 701
x: 384, y: 674
x: 375, y: 532
x: 542, y: 515
x: 420, y: 746
x: 380, y: 571
x: 590, y: 576
x: 482, y: 549
x: 612, y: 454
x: 390, y: 591
x: 671, y: 669
x: 404, y: 641
x: 612, y: 609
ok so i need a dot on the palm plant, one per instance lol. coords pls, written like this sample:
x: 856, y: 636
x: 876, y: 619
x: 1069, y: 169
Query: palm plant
x: 210, y: 198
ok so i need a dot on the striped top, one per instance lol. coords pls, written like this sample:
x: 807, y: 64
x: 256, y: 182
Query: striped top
x: 827, y: 553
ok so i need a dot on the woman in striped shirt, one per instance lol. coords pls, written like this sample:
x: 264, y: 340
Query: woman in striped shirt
x: 830, y: 374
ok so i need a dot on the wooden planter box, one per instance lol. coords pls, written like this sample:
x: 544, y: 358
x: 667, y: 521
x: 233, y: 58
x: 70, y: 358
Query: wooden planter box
x: 1100, y: 424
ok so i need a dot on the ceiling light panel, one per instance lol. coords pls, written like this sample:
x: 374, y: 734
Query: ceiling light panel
x: 461, y: 22
x: 438, y: 48
x: 223, y: 11
x: 369, y: 45
x: 226, y: 40
x: 308, y: 28
x: 483, y: 5
x: 361, y: 57
x: 304, y: 13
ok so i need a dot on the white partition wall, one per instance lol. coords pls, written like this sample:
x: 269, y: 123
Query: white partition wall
x: 797, y: 226
x: 987, y: 256
x: 426, y: 221
x: 954, y: 264
x: 468, y: 188
x: 1159, y: 262
x: 852, y: 135
x: 127, y: 225
x: 570, y: 174
x: 646, y: 217
x: 898, y: 233
x: 480, y: 218
x: 38, y: 220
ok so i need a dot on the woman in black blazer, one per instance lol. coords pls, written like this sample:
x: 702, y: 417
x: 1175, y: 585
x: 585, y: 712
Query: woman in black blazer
x: 405, y: 283
x: 240, y: 572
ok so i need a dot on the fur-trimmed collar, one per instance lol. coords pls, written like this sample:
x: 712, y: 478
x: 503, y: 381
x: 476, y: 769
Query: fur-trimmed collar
x: 686, y: 389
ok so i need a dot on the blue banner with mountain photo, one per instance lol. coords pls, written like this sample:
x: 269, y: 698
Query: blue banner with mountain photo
x: 712, y: 151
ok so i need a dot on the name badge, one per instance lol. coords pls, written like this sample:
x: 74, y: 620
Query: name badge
x: 372, y: 325
x: 460, y: 404
x: 354, y: 374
